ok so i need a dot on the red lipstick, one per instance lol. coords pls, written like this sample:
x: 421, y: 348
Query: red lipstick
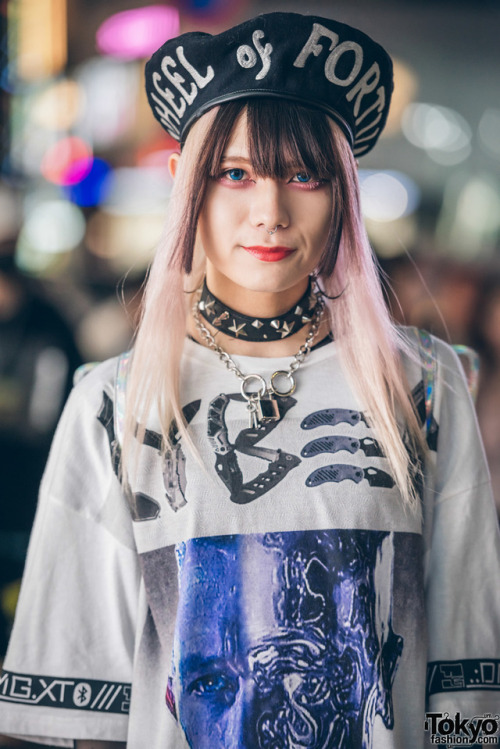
x: 269, y: 254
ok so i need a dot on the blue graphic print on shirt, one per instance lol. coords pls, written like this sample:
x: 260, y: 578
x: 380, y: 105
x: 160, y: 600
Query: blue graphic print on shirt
x: 284, y: 639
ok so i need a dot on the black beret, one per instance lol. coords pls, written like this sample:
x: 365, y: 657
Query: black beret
x: 310, y: 60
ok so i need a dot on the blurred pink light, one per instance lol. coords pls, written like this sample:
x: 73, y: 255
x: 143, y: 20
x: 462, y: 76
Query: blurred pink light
x: 77, y: 171
x: 137, y: 33
x: 67, y: 161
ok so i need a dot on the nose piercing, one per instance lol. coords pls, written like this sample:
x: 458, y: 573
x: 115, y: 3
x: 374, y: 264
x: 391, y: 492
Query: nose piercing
x: 272, y: 231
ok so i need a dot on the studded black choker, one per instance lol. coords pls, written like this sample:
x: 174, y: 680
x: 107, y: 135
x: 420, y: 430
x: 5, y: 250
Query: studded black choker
x: 260, y: 329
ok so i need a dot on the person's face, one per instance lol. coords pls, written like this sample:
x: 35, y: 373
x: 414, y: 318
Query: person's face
x: 275, y: 641
x: 238, y: 210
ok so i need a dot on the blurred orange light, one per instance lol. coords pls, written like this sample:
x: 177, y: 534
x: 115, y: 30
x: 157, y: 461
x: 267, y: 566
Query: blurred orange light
x: 405, y: 90
x: 58, y: 106
x: 42, y: 38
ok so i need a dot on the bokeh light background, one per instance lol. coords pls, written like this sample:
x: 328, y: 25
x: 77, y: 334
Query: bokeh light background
x: 83, y: 180
x: 83, y: 164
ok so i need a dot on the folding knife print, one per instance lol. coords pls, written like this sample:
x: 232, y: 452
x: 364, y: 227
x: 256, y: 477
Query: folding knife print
x: 332, y: 417
x: 336, y: 443
x: 342, y: 472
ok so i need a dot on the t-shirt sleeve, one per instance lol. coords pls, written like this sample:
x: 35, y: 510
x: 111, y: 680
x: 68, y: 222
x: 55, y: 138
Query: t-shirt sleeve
x: 68, y: 669
x: 463, y: 558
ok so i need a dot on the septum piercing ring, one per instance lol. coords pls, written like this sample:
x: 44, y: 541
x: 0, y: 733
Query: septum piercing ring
x: 272, y: 231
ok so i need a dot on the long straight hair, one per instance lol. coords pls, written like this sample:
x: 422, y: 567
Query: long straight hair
x: 280, y: 136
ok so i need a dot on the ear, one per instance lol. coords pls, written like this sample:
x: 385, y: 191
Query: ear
x: 173, y: 160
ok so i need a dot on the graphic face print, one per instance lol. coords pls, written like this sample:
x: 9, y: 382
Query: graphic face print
x: 284, y: 640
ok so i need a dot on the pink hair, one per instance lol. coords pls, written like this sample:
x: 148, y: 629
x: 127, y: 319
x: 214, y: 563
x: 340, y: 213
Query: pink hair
x: 369, y: 342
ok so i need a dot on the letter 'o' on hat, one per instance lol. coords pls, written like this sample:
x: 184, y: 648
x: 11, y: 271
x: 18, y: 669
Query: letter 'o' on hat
x: 310, y: 60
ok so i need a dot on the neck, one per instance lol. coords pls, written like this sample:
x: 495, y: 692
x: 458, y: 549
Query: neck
x: 262, y: 348
x: 247, y: 301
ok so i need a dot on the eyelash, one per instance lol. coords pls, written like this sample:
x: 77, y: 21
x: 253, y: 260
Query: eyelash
x: 311, y: 185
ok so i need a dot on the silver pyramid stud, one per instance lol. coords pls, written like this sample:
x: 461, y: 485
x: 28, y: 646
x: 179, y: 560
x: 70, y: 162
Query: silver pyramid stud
x: 209, y: 307
x: 218, y: 320
x: 286, y: 329
x: 257, y: 324
x: 237, y: 329
x: 298, y: 310
x: 305, y: 319
x: 275, y: 324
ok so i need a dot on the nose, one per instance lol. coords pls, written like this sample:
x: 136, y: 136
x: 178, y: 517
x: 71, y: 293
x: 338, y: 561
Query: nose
x: 245, y: 717
x: 268, y: 205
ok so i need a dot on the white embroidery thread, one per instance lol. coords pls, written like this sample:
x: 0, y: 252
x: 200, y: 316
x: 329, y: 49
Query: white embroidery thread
x: 366, y: 85
x: 248, y: 59
x: 170, y: 110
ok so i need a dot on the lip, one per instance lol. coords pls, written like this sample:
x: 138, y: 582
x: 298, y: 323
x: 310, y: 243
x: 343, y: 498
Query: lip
x: 269, y: 254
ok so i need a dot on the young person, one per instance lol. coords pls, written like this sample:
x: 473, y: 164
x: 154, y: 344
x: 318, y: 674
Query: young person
x: 287, y: 522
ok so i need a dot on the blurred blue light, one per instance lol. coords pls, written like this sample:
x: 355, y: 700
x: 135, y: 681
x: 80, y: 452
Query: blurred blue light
x: 208, y: 7
x: 201, y: 4
x: 94, y: 187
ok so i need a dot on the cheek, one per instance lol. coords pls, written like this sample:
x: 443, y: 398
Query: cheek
x: 318, y: 217
x: 216, y: 220
x: 315, y: 207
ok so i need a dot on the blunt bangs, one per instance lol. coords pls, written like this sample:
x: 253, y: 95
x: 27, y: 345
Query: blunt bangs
x: 285, y: 135
x: 282, y: 136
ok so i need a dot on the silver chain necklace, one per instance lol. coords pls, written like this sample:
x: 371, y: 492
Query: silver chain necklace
x: 262, y: 405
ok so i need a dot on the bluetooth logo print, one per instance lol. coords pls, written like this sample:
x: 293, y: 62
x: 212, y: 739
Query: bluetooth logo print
x: 82, y: 694
x: 248, y: 59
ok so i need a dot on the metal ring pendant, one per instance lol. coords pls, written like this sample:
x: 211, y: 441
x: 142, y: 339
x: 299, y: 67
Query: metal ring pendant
x: 289, y: 376
x: 260, y: 393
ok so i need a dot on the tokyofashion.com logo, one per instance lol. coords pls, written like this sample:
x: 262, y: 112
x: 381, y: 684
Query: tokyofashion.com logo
x: 455, y: 730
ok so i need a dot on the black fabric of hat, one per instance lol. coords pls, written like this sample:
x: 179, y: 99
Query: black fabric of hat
x: 311, y: 60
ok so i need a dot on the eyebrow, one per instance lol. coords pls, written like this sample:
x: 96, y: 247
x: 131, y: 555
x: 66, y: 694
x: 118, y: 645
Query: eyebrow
x: 235, y: 157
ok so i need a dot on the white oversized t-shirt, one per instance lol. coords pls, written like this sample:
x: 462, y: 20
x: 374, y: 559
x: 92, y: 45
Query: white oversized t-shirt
x: 274, y: 593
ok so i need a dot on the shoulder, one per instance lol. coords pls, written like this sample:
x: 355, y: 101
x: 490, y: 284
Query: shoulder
x: 93, y: 372
x: 91, y: 398
x: 421, y: 349
x: 93, y: 378
x: 449, y: 384
x: 82, y: 456
x: 442, y: 378
x: 417, y: 339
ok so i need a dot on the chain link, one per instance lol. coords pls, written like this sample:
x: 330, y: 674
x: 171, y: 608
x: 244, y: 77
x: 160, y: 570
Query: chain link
x: 231, y: 365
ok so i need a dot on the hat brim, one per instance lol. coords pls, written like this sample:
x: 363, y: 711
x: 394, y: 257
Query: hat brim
x: 269, y: 94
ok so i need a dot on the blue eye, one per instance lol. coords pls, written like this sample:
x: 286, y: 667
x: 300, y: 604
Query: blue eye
x: 219, y: 687
x: 235, y: 175
x: 303, y: 177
